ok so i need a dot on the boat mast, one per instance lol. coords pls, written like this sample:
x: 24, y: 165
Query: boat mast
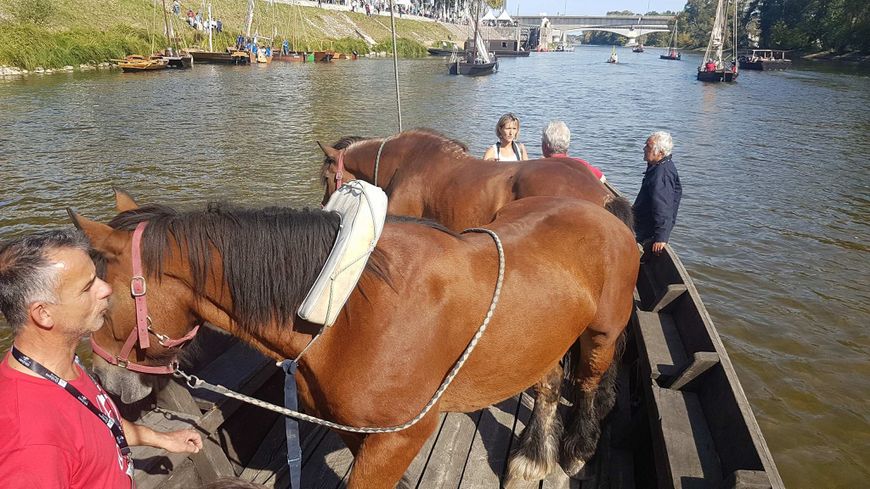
x: 478, y: 5
x: 249, y: 19
x: 168, y: 28
x: 209, y: 27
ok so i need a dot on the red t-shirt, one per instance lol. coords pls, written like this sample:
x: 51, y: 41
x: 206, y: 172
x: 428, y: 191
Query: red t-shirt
x: 48, y: 439
x: 598, y: 173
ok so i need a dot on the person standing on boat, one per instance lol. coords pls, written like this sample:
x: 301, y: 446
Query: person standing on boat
x: 507, y: 148
x: 655, y: 209
x: 59, y: 427
x: 555, y: 139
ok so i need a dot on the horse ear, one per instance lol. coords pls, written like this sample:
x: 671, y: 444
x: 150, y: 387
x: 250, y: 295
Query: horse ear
x: 123, y: 201
x: 330, y: 152
x: 102, y: 237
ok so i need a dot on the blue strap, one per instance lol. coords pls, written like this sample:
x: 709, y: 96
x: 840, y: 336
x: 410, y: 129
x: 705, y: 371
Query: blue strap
x: 291, y: 425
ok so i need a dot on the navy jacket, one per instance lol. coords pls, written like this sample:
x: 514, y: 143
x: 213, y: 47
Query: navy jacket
x: 655, y: 209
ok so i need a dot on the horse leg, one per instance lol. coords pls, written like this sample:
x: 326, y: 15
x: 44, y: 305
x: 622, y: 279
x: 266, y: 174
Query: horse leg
x: 537, y: 453
x: 594, y: 391
x: 382, y: 458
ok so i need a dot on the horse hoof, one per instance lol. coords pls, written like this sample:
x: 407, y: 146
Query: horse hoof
x: 526, y: 468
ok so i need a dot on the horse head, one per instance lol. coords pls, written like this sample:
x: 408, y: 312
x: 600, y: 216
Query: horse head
x: 122, y: 349
x: 378, y: 160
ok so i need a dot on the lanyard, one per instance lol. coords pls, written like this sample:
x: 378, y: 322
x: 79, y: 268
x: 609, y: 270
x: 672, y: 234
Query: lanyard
x: 114, y: 426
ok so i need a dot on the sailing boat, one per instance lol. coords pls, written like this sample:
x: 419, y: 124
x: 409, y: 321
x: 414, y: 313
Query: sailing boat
x: 613, y: 57
x: 232, y: 55
x: 673, y: 54
x: 713, y: 68
x: 478, y: 62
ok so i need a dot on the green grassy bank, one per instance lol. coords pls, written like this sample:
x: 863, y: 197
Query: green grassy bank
x: 57, y: 33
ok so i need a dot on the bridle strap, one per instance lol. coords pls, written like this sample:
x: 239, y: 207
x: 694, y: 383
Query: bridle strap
x: 339, y: 171
x: 140, y: 334
x: 138, y: 287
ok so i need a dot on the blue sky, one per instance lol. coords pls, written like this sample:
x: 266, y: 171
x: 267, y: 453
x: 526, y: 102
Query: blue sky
x: 591, y: 7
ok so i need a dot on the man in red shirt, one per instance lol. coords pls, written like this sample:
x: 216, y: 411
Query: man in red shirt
x: 60, y: 429
x: 555, y: 139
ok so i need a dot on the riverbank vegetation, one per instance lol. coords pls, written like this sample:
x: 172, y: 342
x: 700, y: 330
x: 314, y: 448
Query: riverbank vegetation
x: 57, y: 33
x: 808, y: 26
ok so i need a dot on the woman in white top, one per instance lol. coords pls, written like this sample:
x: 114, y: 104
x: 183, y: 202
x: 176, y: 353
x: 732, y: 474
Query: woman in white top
x: 507, y: 148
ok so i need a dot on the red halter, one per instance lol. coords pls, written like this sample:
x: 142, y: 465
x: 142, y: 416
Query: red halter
x: 141, y: 332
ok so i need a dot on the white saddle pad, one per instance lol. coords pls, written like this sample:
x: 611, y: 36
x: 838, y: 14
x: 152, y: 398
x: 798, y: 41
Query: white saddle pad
x: 363, y: 208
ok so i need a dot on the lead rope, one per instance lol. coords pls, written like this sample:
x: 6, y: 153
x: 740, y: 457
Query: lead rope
x: 197, y: 383
x: 378, y: 159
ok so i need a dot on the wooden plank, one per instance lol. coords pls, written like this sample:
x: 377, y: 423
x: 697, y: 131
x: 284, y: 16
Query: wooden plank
x: 312, y: 436
x: 747, y: 479
x: 689, y: 451
x: 669, y: 295
x: 234, y: 369
x: 327, y: 463
x: 269, y: 458
x: 621, y: 469
x: 211, y: 462
x: 153, y: 464
x: 489, y: 449
x: 661, y: 345
x: 701, y: 362
x: 451, y: 450
x: 412, y: 475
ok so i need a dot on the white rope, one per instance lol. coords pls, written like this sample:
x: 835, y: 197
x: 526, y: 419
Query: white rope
x: 378, y: 159
x: 195, y: 382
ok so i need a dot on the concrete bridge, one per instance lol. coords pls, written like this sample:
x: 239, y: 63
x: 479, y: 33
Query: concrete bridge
x: 630, y: 26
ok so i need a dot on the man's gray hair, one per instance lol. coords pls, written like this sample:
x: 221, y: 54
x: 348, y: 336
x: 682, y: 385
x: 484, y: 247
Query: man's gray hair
x: 662, y: 142
x: 556, y: 136
x: 27, y: 274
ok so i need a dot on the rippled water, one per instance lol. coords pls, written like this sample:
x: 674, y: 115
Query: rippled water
x: 773, y: 226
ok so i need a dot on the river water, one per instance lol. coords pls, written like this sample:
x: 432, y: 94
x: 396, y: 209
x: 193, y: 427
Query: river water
x: 773, y: 226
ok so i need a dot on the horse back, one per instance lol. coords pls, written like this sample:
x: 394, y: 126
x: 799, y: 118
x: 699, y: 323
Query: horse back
x: 562, y: 177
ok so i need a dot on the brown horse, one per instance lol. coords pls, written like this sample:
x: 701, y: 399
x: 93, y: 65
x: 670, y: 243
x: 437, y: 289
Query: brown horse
x: 570, y: 272
x: 430, y: 176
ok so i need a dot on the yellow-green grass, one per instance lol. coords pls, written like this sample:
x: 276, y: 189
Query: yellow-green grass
x: 56, y: 33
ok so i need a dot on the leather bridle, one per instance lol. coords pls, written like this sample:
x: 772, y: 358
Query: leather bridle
x: 141, y: 333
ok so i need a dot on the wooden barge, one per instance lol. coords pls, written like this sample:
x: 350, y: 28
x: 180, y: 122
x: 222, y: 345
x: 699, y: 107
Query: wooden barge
x: 681, y: 421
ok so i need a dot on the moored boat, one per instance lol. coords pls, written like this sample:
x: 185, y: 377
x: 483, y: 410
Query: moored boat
x: 136, y: 63
x: 230, y: 57
x: 765, y: 60
x: 713, y: 67
x: 637, y: 49
x: 673, y: 54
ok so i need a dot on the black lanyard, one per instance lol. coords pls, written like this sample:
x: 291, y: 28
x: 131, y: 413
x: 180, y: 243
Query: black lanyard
x: 114, y: 426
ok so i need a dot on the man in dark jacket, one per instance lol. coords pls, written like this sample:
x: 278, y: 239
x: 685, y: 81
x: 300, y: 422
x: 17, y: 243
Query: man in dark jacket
x: 655, y: 209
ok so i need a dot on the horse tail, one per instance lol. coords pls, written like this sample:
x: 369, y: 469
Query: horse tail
x: 621, y: 208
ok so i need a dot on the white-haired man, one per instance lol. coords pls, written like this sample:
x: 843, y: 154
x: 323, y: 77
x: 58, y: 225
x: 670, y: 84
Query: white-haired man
x: 655, y: 209
x: 59, y: 427
x: 555, y: 139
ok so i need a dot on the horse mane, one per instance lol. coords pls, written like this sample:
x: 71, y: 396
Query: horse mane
x: 271, y: 257
x: 428, y: 140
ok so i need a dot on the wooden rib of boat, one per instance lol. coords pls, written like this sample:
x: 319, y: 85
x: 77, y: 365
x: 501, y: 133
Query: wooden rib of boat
x: 135, y: 63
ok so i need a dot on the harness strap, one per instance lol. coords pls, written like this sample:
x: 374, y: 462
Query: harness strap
x: 339, y: 172
x: 138, y: 287
x: 291, y: 425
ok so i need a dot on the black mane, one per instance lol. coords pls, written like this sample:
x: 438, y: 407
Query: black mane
x: 270, y: 256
